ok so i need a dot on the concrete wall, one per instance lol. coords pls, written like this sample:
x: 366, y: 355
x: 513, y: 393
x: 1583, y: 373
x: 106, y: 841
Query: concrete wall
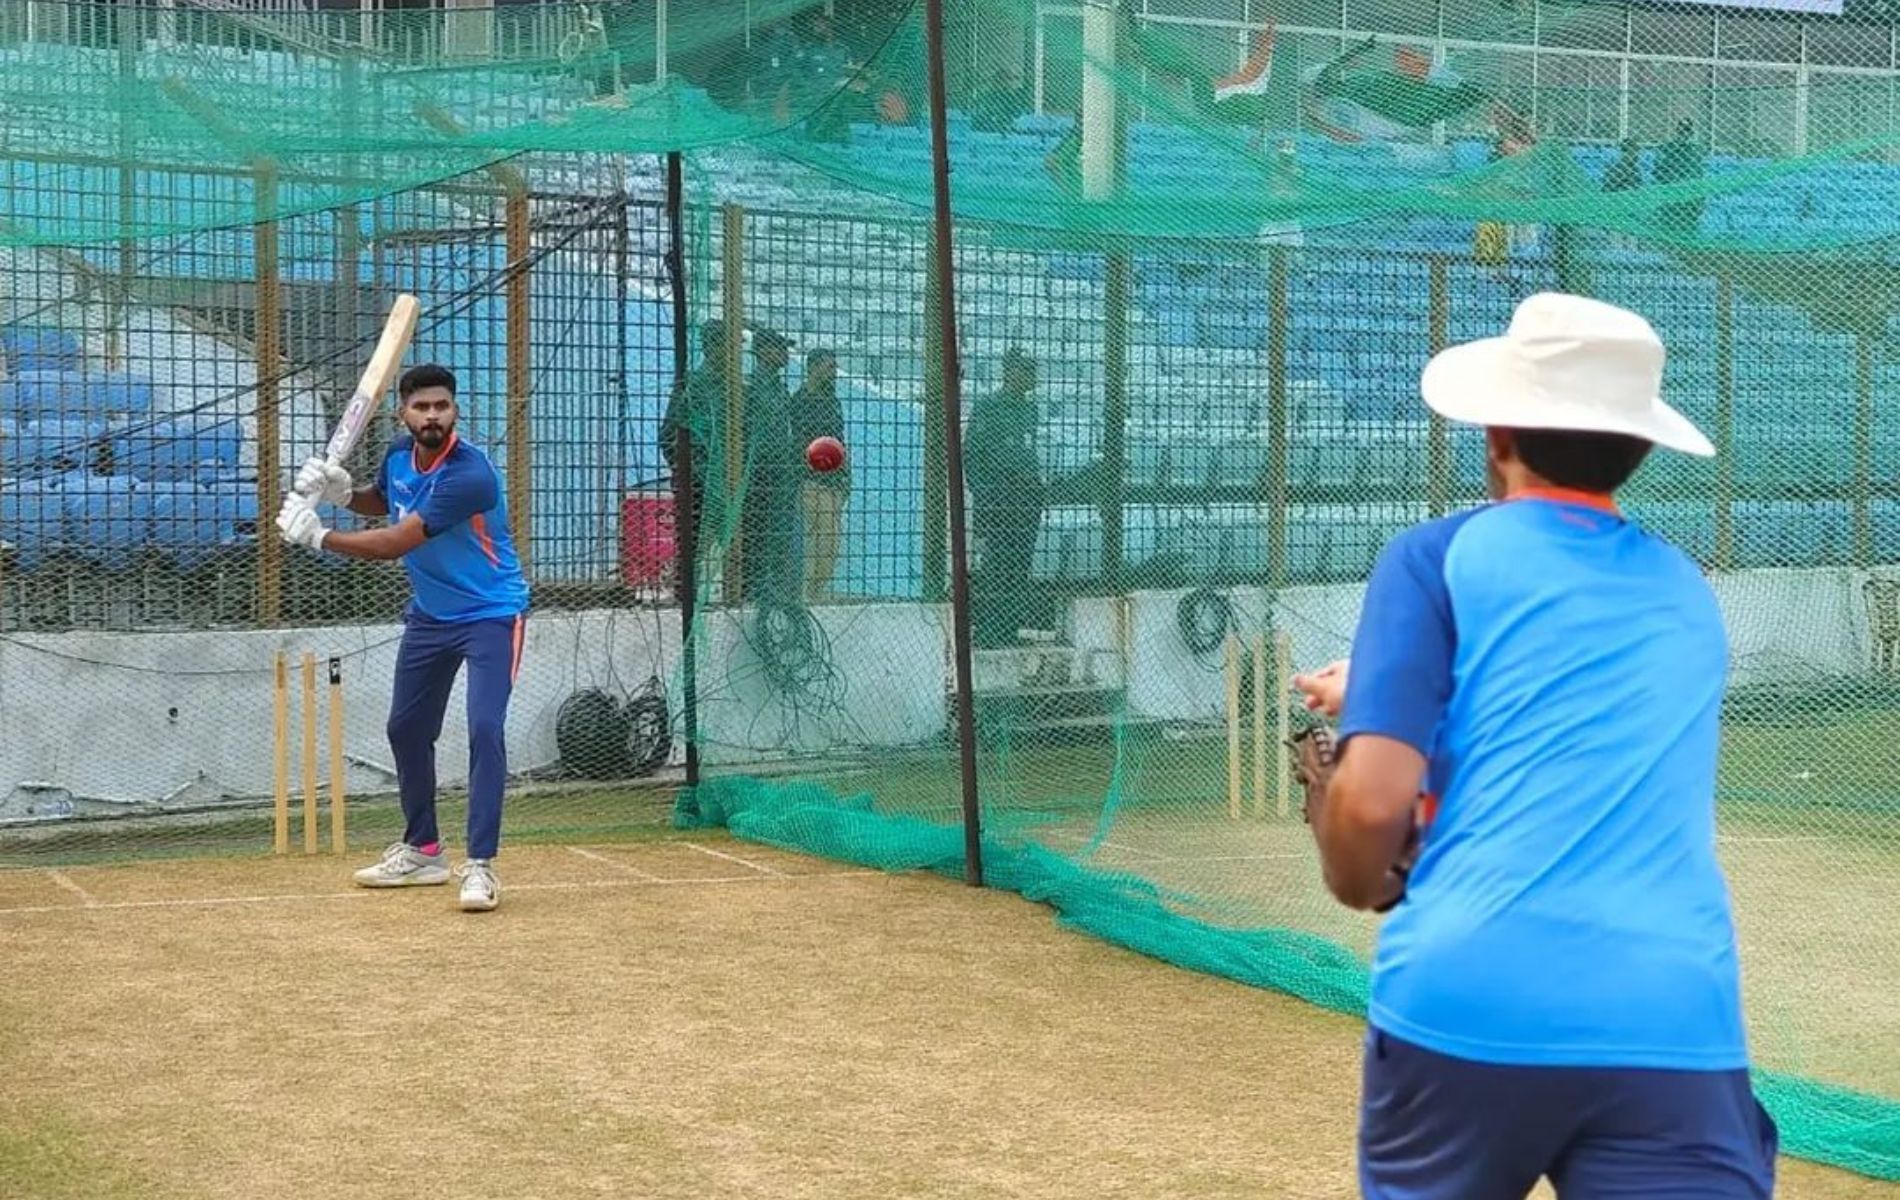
x: 137, y: 717
x: 1782, y: 624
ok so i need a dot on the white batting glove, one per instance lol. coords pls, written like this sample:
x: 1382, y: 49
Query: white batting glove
x: 299, y: 523
x: 320, y: 479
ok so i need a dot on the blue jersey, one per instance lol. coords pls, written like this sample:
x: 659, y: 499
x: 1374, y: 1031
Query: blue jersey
x: 467, y: 569
x: 1562, y: 671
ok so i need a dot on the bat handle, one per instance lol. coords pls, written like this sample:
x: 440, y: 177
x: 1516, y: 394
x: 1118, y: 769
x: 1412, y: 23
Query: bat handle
x: 329, y: 457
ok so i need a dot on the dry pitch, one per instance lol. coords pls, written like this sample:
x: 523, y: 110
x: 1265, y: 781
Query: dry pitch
x: 666, y: 1019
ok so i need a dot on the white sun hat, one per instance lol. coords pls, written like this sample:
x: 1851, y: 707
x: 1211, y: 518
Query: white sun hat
x: 1566, y: 362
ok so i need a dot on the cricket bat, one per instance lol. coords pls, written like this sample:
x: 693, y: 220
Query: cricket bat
x: 376, y: 379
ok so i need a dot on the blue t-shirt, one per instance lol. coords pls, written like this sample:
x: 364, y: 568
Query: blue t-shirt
x: 1562, y: 671
x: 467, y: 569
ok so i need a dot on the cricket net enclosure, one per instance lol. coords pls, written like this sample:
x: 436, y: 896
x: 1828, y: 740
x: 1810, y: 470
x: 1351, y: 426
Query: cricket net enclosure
x: 1198, y: 252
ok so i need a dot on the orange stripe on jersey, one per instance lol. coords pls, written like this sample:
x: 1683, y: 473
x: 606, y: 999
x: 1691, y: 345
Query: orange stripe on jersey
x: 1596, y: 500
x: 480, y: 526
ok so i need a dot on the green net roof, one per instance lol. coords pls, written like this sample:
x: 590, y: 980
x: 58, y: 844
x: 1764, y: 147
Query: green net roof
x: 1333, y: 127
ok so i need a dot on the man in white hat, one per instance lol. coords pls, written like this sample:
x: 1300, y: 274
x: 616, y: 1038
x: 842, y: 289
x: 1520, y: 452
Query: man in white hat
x: 1556, y: 991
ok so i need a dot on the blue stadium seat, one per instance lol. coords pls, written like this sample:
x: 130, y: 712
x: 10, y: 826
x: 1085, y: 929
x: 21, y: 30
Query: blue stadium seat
x: 1185, y: 462
x: 1885, y: 517
x: 49, y: 446
x: 218, y: 477
x: 118, y: 393
x: 1770, y: 458
x: 1221, y: 327
x: 1043, y: 125
x: 1370, y: 397
x: 1315, y: 464
x: 36, y: 348
x: 108, y: 517
x: 19, y: 397
x: 1238, y: 462
x: 1225, y: 539
x: 1143, y: 460
x: 1139, y: 533
x: 1781, y: 533
x: 36, y: 395
x: 1177, y: 325
x: 185, y: 523
x: 1334, y: 542
x: 1069, y: 545
x: 1468, y: 456
x: 1085, y: 267
x: 186, y: 450
x: 32, y: 521
x: 236, y: 505
x: 144, y: 451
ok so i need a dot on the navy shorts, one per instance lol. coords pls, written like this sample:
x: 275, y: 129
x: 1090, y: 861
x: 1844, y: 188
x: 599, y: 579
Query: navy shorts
x: 1434, y: 1127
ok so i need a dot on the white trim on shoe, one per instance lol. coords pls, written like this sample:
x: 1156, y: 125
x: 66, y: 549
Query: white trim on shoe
x: 403, y: 865
x: 481, y: 891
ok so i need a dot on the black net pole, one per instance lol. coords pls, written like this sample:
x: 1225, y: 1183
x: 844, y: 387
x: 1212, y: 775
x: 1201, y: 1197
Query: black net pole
x: 685, y: 485
x: 953, y: 451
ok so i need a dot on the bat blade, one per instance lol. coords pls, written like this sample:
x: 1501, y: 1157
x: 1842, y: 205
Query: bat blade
x: 376, y: 379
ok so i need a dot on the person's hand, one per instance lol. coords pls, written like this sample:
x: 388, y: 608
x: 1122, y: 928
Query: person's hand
x: 299, y: 524
x: 1324, y: 689
x: 320, y: 479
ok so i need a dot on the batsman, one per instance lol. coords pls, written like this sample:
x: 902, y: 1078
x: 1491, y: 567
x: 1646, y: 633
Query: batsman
x: 1524, y: 775
x: 448, y: 523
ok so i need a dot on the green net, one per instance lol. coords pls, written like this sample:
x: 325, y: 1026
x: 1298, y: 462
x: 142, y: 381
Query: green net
x: 1214, y: 241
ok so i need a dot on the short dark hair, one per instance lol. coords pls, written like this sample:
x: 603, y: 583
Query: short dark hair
x: 1588, y: 462
x: 821, y: 355
x: 428, y: 375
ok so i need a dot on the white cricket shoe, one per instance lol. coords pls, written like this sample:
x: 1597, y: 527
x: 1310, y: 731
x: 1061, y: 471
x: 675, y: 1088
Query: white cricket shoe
x: 481, y: 892
x: 405, y: 866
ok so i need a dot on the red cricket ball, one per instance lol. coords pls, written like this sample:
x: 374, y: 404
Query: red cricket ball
x: 825, y: 454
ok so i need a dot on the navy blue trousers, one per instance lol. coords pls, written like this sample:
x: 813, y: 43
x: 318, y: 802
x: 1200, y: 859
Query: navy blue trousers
x: 1439, y: 1128
x: 432, y: 652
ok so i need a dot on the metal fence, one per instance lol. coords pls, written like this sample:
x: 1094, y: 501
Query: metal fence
x: 158, y: 393
x: 1222, y: 412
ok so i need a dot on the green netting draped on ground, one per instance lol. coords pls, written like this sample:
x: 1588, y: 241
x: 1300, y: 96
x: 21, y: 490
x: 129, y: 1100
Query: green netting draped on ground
x: 1128, y: 907
x: 1202, y: 249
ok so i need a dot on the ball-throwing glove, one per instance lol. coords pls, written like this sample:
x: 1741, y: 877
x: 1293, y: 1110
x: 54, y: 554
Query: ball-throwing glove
x: 299, y: 524
x: 1315, y: 758
x: 321, y: 479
